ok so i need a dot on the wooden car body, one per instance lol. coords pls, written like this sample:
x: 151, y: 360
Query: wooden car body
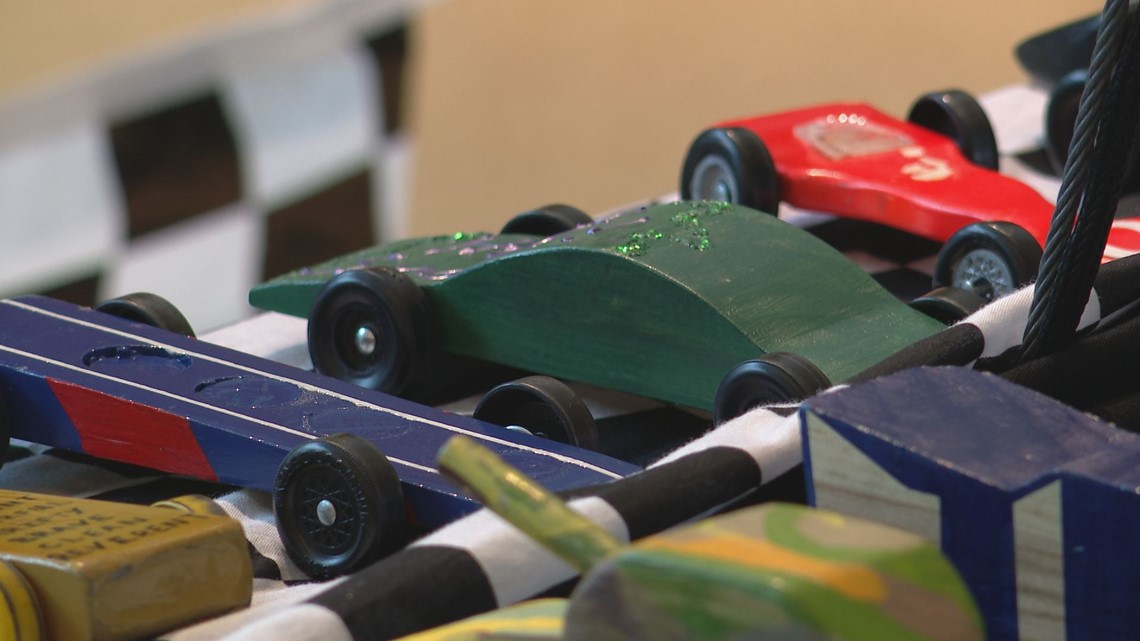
x: 88, y: 382
x: 1036, y: 503
x: 852, y: 160
x: 659, y: 302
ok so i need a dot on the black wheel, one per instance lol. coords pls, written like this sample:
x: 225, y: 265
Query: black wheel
x: 338, y: 504
x: 948, y: 305
x: 733, y: 165
x: 1060, y: 124
x: 371, y: 327
x: 991, y: 259
x: 776, y: 377
x: 1061, y: 117
x: 148, y: 309
x: 957, y: 115
x: 547, y: 221
x: 543, y: 406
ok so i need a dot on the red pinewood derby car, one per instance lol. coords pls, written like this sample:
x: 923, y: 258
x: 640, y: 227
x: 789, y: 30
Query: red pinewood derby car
x: 933, y: 175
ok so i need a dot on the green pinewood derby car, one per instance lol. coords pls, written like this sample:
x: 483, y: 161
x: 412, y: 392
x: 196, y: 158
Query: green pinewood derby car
x: 670, y: 302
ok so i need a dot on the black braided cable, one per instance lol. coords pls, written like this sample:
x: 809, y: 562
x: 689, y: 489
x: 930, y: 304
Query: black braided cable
x: 1045, y: 330
x: 1106, y: 177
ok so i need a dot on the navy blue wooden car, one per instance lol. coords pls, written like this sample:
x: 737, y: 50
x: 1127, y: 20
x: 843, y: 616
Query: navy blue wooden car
x: 349, y: 468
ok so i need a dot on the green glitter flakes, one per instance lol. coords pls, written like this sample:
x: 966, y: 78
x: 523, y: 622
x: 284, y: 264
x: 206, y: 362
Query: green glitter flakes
x: 638, y: 241
x: 690, y: 230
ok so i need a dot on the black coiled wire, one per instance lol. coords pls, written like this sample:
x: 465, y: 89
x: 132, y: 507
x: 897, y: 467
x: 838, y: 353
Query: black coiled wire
x: 1090, y: 186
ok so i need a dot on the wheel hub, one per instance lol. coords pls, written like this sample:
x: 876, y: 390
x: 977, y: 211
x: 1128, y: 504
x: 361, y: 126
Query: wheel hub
x: 365, y: 340
x: 326, y: 512
x: 713, y: 180
x: 985, y: 273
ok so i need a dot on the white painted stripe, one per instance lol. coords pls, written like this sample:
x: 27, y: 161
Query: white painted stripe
x: 183, y: 399
x: 320, y: 390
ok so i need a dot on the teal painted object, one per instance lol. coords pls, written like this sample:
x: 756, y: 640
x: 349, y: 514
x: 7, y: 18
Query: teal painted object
x: 660, y: 302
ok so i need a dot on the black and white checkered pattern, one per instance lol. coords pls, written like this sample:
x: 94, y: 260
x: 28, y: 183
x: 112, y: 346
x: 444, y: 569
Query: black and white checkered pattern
x: 200, y: 170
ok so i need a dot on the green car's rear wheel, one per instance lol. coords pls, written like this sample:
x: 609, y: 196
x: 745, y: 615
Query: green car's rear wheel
x: 543, y: 406
x: 776, y: 377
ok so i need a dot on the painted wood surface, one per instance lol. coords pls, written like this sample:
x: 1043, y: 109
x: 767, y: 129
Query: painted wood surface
x: 87, y: 382
x: 777, y: 570
x: 103, y: 571
x: 1036, y: 503
x: 659, y: 302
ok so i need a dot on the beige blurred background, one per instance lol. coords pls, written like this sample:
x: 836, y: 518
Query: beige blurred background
x: 516, y: 103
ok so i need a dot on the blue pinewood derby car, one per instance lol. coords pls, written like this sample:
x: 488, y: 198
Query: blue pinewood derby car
x: 351, y: 470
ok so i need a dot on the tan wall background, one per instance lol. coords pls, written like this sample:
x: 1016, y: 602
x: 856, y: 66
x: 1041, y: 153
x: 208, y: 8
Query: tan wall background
x: 517, y: 103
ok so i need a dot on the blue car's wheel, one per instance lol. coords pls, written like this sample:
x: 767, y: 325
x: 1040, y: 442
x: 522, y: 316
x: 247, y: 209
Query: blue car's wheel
x: 776, y: 377
x: 148, y: 309
x: 547, y: 221
x: 731, y: 164
x: 371, y: 327
x: 543, y: 406
x: 339, y: 505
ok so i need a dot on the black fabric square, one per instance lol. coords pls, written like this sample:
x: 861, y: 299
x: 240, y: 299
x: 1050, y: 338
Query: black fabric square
x: 881, y: 241
x: 81, y: 291
x: 331, y: 222
x: 390, y: 48
x: 906, y: 284
x: 175, y: 163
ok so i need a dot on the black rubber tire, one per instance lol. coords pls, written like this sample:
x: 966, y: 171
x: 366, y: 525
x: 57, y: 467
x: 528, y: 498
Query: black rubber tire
x: 948, y: 305
x: 389, y: 306
x: 148, y: 309
x: 1011, y: 252
x: 542, y: 405
x: 352, y: 476
x: 743, y: 159
x: 958, y: 116
x: 547, y: 221
x: 776, y: 377
x: 1061, y: 117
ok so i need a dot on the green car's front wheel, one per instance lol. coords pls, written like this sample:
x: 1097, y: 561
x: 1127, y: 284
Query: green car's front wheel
x: 371, y: 327
x: 776, y: 377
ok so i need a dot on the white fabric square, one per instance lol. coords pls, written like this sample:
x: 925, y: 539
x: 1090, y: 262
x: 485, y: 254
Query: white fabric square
x: 301, y: 122
x: 59, y: 207
x: 205, y: 266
